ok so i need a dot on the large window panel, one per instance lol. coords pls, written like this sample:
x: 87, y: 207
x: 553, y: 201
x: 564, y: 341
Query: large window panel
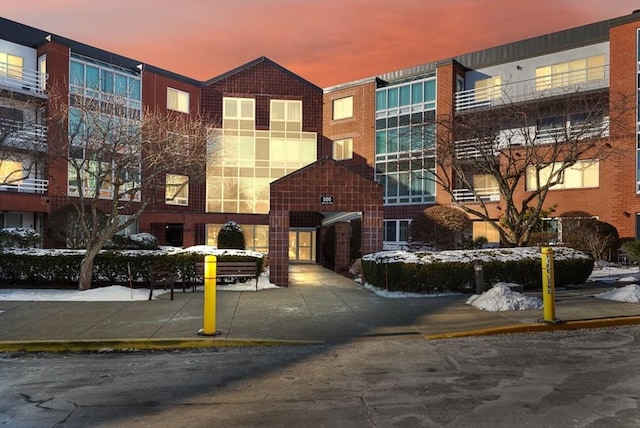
x: 176, y: 100
x: 343, y: 108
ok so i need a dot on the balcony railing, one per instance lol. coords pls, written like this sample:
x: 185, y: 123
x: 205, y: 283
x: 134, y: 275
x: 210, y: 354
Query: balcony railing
x: 469, y: 149
x: 531, y: 89
x: 22, y: 79
x: 26, y: 185
x: 23, y: 132
x: 487, y: 194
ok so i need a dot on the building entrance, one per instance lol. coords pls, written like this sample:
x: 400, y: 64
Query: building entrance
x: 302, y: 245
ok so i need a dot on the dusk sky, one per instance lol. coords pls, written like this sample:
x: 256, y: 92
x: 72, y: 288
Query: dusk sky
x: 325, y: 41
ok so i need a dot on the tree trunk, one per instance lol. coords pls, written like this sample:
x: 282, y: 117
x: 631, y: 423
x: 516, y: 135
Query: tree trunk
x: 86, y: 268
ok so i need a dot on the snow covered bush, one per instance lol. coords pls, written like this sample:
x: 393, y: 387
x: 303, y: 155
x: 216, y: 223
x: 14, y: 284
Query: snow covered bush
x: 231, y: 236
x: 19, y: 237
x: 136, y: 241
x: 454, y: 270
x: 445, y: 228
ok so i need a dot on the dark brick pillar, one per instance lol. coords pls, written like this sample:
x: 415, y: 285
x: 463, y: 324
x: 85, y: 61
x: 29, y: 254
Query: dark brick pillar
x: 343, y: 235
x: 279, y: 247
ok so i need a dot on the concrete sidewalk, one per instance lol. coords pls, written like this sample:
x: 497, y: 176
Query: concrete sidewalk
x: 318, y: 306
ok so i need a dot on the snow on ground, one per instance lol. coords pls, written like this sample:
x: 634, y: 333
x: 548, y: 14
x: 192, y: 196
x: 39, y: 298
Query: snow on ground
x: 499, y: 298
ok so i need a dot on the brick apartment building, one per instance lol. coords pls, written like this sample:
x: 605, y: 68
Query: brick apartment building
x: 284, y: 138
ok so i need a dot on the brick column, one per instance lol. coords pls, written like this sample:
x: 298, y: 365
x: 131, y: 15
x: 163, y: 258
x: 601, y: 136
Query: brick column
x: 372, y: 232
x: 279, y: 247
x: 343, y: 238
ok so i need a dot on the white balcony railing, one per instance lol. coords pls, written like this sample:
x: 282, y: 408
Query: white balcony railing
x: 23, y: 132
x: 22, y: 79
x: 26, y: 185
x: 531, y: 89
x: 488, y: 194
x: 469, y: 149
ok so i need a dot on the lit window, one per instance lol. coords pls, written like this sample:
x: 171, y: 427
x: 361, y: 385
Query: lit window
x: 484, y: 229
x: 582, y: 174
x: 11, y: 172
x: 488, y: 89
x: 343, y: 149
x: 177, y: 190
x: 343, y: 108
x: 238, y: 108
x: 11, y: 65
x: 571, y: 73
x: 177, y: 100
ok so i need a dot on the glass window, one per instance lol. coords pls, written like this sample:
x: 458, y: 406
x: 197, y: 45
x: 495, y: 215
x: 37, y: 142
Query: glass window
x: 177, y: 189
x: 405, y: 95
x: 77, y: 73
x: 343, y: 149
x: 92, y: 77
x: 430, y: 90
x: 392, y: 100
x: 381, y: 99
x: 342, y: 108
x: 582, y: 174
x: 417, y: 93
x: 177, y: 100
x: 11, y: 65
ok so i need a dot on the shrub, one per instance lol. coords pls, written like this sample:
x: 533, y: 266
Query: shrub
x: 454, y: 270
x: 445, y: 228
x: 19, y: 237
x: 136, y: 241
x: 231, y: 236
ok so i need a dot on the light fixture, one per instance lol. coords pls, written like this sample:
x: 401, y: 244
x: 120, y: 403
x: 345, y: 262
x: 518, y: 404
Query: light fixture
x: 140, y: 67
x: 48, y: 38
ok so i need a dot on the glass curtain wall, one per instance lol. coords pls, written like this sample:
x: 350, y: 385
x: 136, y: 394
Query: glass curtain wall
x: 405, y: 141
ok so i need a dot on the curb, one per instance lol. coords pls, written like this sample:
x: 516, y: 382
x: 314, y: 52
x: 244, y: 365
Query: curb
x: 542, y: 327
x: 133, y: 345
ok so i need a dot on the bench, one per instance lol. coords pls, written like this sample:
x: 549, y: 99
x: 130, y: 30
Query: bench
x: 159, y: 275
x: 232, y: 270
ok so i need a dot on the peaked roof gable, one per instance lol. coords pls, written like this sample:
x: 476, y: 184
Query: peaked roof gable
x: 257, y: 61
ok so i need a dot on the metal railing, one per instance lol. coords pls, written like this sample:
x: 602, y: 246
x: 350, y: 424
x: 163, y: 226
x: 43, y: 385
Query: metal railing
x: 487, y: 194
x: 26, y: 185
x: 531, y: 89
x: 17, y: 131
x: 22, y: 79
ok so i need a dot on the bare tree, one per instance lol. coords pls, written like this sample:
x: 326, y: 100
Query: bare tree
x: 118, y: 160
x: 517, y: 152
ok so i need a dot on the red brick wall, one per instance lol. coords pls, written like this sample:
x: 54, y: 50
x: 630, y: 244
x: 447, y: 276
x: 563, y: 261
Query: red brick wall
x: 360, y: 127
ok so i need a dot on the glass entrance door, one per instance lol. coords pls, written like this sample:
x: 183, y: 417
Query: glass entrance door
x: 302, y: 245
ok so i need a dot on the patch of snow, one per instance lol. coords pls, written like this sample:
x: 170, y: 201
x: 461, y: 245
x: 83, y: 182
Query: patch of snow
x: 627, y: 294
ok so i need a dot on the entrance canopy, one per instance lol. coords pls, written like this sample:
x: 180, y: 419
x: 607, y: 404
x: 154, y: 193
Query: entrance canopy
x: 328, y: 187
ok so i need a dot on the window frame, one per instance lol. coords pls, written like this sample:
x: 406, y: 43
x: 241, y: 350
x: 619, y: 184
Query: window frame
x: 342, y: 108
x: 176, y: 189
x: 178, y: 100
x: 343, y: 149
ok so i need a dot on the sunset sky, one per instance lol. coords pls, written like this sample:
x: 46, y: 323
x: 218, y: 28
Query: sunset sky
x: 325, y: 41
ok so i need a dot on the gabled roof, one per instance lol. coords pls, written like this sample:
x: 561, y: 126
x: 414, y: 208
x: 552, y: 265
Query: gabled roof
x: 250, y: 64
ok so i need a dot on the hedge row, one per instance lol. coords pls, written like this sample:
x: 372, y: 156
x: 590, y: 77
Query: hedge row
x: 414, y: 274
x: 113, y: 267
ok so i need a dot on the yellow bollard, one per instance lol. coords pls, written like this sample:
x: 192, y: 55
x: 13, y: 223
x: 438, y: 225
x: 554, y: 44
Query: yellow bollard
x: 548, y: 286
x: 210, y: 265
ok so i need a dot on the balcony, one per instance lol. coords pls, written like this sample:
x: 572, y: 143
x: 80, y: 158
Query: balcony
x: 470, y: 149
x: 488, y: 194
x: 22, y: 80
x: 18, y: 133
x: 532, y: 89
x: 26, y: 185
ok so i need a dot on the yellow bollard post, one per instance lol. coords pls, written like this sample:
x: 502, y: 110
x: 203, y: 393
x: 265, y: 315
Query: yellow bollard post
x: 210, y: 265
x: 548, y: 286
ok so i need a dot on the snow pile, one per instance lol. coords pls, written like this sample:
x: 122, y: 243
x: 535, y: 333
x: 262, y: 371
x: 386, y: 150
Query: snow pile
x: 502, y: 298
x: 628, y: 294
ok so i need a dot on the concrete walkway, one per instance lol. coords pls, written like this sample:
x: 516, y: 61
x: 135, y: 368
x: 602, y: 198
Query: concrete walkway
x: 318, y: 306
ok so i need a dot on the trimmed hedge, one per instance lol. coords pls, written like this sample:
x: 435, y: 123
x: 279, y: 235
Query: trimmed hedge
x: 61, y: 267
x: 453, y: 271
